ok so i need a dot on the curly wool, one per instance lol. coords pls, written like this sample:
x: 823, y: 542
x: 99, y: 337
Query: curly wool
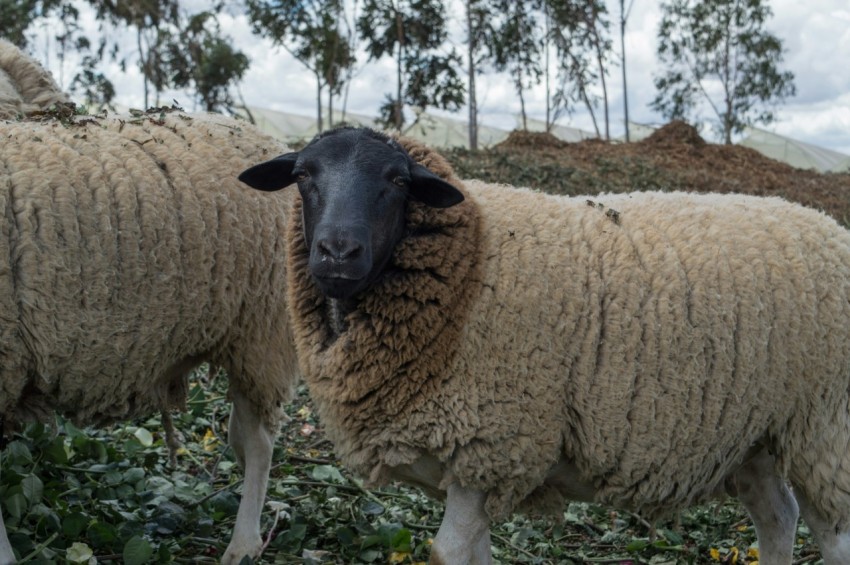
x: 25, y: 86
x: 650, y: 339
x: 132, y: 255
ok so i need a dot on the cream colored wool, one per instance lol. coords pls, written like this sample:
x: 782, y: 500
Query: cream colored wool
x: 25, y: 86
x: 650, y: 339
x: 132, y: 254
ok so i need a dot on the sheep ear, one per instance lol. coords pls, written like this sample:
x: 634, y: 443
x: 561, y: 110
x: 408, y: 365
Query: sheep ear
x: 271, y: 175
x: 428, y: 188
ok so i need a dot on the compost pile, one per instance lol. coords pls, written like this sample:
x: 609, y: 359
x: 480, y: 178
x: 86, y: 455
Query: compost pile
x: 674, y: 157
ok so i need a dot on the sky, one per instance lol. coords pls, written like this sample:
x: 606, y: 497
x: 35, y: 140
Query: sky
x: 815, y: 34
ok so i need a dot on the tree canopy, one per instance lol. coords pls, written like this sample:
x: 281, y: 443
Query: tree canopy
x: 719, y: 52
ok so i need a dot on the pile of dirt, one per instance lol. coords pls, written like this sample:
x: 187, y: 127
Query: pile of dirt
x: 676, y: 132
x: 532, y: 139
x: 674, y: 158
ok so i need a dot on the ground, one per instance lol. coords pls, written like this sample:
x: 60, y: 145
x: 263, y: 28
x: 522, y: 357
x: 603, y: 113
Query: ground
x: 111, y: 496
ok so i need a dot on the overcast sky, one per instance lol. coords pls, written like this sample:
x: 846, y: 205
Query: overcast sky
x: 815, y: 33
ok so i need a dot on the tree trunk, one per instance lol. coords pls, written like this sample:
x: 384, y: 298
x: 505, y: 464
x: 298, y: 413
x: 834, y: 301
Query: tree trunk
x: 518, y: 83
x: 473, y: 102
x: 397, y: 110
x: 623, y: 52
x: 143, y: 64
x: 604, y: 86
x: 319, y: 122
x: 549, y: 120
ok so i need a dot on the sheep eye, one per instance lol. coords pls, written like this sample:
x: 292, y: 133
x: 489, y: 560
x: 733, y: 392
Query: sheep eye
x: 301, y: 176
x: 399, y: 181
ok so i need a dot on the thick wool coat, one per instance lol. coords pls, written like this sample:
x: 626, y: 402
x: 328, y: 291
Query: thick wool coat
x: 24, y: 84
x: 130, y: 254
x: 651, y: 340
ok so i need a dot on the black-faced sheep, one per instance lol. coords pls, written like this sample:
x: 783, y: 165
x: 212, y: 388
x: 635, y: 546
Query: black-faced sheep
x: 131, y: 255
x: 517, y: 349
x: 25, y: 86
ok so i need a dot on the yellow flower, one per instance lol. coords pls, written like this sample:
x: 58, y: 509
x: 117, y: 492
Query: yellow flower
x: 399, y: 556
x: 753, y: 553
x: 734, y: 553
x: 715, y: 554
x: 209, y: 442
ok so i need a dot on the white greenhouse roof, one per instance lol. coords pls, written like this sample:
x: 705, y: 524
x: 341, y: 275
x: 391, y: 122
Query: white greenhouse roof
x: 796, y: 153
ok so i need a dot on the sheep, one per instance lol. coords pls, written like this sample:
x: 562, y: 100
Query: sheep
x: 510, y: 350
x: 132, y: 256
x: 25, y: 86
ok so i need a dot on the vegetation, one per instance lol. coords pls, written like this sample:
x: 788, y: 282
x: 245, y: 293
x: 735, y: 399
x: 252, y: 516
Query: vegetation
x: 715, y: 52
x: 317, y: 33
x: 702, y: 42
x: 412, y: 32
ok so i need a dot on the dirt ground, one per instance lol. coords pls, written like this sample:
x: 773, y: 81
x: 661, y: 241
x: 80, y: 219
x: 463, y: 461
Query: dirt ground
x: 675, y: 157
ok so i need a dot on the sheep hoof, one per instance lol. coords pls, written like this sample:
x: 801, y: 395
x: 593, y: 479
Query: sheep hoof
x: 239, y: 549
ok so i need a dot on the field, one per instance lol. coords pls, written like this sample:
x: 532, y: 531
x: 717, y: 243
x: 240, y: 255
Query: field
x: 112, y: 496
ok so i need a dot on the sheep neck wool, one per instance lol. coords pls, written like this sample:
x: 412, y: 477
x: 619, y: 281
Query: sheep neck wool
x: 414, y: 312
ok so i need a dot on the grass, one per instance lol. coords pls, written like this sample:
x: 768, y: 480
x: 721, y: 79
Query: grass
x: 74, y: 495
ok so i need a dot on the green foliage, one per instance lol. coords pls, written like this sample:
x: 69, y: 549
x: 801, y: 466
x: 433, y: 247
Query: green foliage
x: 412, y: 32
x: 16, y: 16
x: 580, y: 32
x: 202, y: 59
x: 707, y: 42
x: 315, y: 33
x: 69, y: 495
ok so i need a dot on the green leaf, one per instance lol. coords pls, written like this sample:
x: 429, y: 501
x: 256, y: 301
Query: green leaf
x: 401, y: 541
x: 79, y: 553
x: 144, y: 437
x: 74, y: 524
x: 16, y: 505
x: 326, y: 473
x: 100, y: 534
x: 637, y: 545
x: 137, y: 551
x: 17, y: 453
x: 55, y: 451
x: 32, y: 489
x: 372, y: 508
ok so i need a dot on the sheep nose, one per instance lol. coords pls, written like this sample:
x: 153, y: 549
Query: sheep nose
x: 339, y: 250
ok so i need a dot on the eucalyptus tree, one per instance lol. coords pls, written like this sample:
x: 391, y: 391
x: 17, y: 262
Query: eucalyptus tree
x: 313, y: 32
x: 16, y: 17
x: 478, y: 17
x: 719, y: 51
x: 518, y: 44
x: 413, y: 33
x: 201, y: 59
x: 580, y: 32
x: 154, y: 23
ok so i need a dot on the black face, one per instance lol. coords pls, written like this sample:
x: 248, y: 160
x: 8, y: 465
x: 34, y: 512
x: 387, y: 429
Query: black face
x: 354, y: 185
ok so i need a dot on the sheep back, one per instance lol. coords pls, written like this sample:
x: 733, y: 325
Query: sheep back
x: 132, y: 254
x: 25, y: 86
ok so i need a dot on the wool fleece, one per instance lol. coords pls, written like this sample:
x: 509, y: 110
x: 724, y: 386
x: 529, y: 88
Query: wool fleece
x: 25, y: 86
x: 649, y: 339
x: 131, y: 254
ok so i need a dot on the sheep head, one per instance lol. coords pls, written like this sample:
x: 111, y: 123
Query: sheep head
x: 355, y: 184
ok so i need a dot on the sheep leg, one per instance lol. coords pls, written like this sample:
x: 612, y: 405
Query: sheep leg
x: 252, y: 443
x: 7, y: 556
x: 771, y: 506
x: 833, y: 540
x: 464, y: 534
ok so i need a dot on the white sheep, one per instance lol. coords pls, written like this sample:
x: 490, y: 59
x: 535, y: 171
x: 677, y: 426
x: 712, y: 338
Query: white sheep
x: 132, y: 255
x: 518, y: 349
x: 25, y: 86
